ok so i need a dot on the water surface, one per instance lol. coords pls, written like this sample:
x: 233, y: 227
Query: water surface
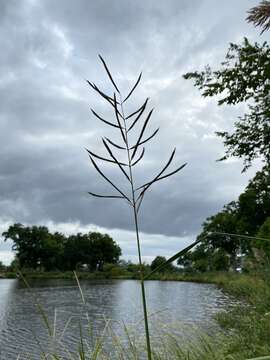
x: 170, y: 304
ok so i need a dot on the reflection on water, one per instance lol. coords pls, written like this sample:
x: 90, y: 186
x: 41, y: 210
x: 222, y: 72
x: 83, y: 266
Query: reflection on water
x: 119, y: 300
x: 6, y: 289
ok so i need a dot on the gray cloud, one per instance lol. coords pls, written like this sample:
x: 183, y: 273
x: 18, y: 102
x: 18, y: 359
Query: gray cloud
x: 49, y: 48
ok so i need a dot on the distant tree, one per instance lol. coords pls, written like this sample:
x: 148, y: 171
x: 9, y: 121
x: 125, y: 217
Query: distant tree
x: 159, y: 260
x: 104, y: 250
x: 223, y: 222
x: 26, y: 243
x: 245, y: 216
x: 92, y: 249
x: 243, y: 78
x: 52, y: 251
x: 2, y: 267
x: 76, y: 251
x: 135, y: 268
x: 204, y: 258
x: 37, y: 248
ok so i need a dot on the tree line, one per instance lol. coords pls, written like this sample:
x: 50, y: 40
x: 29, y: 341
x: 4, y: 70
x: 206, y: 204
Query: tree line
x: 38, y: 249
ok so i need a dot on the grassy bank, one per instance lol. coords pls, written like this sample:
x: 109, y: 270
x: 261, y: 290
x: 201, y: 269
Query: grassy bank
x: 68, y: 275
x: 220, y: 278
x: 248, y: 324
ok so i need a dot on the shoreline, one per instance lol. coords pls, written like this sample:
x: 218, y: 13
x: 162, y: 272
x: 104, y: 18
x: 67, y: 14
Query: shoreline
x: 218, y: 278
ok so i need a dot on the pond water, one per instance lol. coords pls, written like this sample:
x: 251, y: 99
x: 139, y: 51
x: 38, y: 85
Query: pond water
x: 176, y: 305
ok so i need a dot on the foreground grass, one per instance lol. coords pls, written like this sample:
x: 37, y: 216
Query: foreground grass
x: 249, y: 323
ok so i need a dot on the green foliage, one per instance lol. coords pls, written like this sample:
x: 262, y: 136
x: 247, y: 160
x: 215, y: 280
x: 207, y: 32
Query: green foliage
x: 104, y: 250
x: 224, y: 221
x: 158, y: 261
x: 36, y: 248
x: 243, y: 77
x: 250, y: 325
x: 254, y: 203
x: 220, y: 260
x: 196, y: 260
x: 134, y: 268
x: 246, y: 216
x: 264, y: 231
x: 263, y: 245
x: 77, y: 251
x: 115, y: 271
x: 29, y: 243
x: 215, y: 252
x: 203, y: 259
x: 2, y: 267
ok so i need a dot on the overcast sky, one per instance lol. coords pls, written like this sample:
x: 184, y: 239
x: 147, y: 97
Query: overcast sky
x: 48, y: 49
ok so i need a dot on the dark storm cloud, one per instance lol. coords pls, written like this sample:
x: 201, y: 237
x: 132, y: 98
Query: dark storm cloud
x: 49, y: 47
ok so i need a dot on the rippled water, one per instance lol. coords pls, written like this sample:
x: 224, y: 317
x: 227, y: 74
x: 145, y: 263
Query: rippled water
x: 119, y: 300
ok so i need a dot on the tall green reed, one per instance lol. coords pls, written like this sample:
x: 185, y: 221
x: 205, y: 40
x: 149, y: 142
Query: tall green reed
x: 125, y: 124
